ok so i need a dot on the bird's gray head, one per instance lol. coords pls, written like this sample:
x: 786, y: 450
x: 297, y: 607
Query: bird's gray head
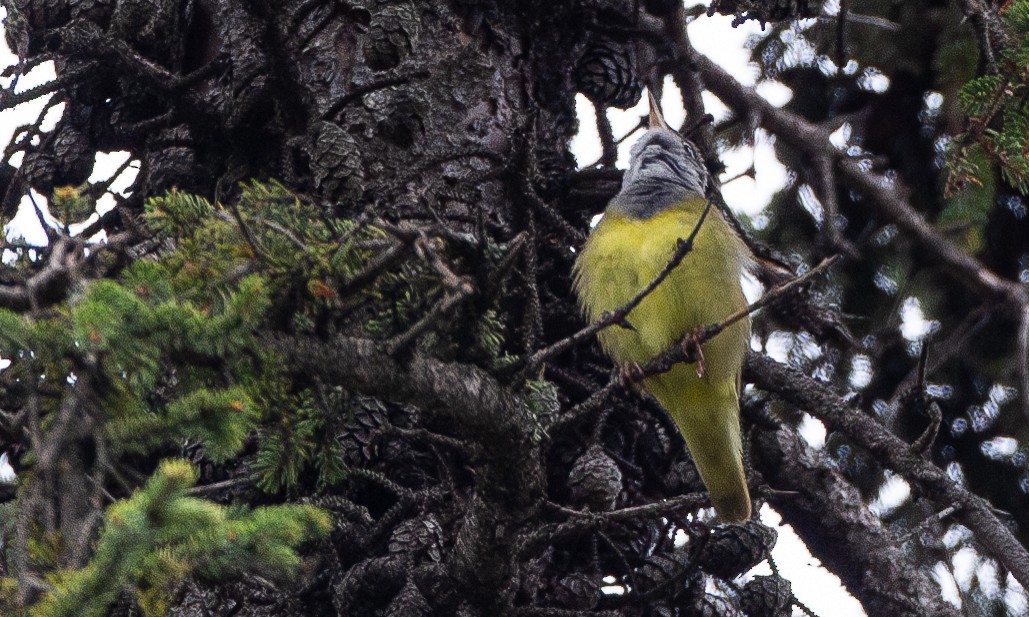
x: 663, y: 169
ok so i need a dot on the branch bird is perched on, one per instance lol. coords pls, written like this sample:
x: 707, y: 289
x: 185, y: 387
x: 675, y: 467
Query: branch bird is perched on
x: 662, y: 200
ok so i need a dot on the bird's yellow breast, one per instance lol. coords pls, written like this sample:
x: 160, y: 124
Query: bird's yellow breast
x: 623, y: 254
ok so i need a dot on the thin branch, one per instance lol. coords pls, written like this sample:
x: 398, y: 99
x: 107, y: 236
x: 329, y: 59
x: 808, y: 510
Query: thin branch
x: 618, y: 315
x: 10, y: 99
x: 608, y: 147
x: 772, y: 295
x: 944, y: 351
x: 865, y: 20
x: 372, y: 269
x: 99, y: 188
x: 359, y: 92
x: 426, y: 249
x: 935, y: 518
x: 682, y: 353
x: 441, y: 309
x: 681, y: 503
x: 886, y: 195
x: 691, y: 84
x: 513, y: 249
x: 51, y: 233
x: 214, y: 487
x: 641, y: 125
x: 1023, y: 360
x: 289, y: 235
x: 825, y: 188
x: 248, y: 234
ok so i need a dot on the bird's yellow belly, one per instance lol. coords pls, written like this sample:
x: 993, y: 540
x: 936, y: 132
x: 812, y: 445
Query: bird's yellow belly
x: 623, y: 254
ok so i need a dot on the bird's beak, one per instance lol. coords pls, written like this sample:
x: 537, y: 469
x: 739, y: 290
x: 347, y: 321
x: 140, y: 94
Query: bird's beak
x: 656, y: 119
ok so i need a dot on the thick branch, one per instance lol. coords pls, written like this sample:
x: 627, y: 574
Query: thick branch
x: 830, y: 516
x: 479, y: 405
x: 818, y: 399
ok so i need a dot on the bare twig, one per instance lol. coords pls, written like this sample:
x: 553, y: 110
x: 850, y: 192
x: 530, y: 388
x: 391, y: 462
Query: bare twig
x: 441, y: 308
x: 496, y: 277
x: 427, y: 249
x: 825, y: 189
x: 944, y: 351
x: 608, y: 146
x: 679, y: 352
x: 935, y: 518
x: 289, y: 235
x: 988, y: 28
x: 214, y: 487
x: 248, y: 234
x: 865, y: 20
x: 99, y: 188
x: 691, y: 83
x: 641, y: 125
x: 372, y: 269
x: 360, y: 91
x: 887, y: 196
x: 1023, y: 359
x: 618, y: 316
x: 51, y: 233
x: 681, y: 503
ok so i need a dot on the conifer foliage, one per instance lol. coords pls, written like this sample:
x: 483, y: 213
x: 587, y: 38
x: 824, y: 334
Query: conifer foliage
x: 127, y: 369
x: 322, y: 355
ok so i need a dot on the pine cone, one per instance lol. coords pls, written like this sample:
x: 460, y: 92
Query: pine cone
x: 767, y: 596
x: 578, y: 591
x: 391, y: 37
x: 661, y: 610
x: 605, y: 76
x: 660, y: 569
x: 731, y: 550
x: 335, y: 162
x: 713, y: 606
x: 595, y: 479
x: 417, y: 536
x: 39, y: 169
x: 409, y: 602
x: 357, y: 437
x: 74, y: 155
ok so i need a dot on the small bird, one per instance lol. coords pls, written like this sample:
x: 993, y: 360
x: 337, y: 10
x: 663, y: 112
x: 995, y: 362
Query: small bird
x: 662, y: 198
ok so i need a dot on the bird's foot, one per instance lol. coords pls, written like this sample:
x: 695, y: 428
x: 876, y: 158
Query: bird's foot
x: 631, y: 373
x: 692, y: 346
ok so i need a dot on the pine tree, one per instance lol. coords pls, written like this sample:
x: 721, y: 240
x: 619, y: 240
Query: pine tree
x: 322, y: 356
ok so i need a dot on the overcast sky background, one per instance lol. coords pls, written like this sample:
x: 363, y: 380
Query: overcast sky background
x: 819, y: 589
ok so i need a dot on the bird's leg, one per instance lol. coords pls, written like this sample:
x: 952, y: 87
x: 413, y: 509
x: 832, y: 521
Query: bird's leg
x: 631, y: 373
x: 692, y: 346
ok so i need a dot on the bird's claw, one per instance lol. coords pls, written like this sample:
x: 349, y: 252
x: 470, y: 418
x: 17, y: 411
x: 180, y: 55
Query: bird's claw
x: 631, y: 373
x: 692, y: 346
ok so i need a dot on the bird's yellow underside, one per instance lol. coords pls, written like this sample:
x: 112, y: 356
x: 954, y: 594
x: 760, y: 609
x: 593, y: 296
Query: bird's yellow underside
x: 620, y: 257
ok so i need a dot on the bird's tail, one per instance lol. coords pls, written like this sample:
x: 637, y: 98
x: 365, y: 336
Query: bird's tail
x: 708, y: 418
x: 719, y: 461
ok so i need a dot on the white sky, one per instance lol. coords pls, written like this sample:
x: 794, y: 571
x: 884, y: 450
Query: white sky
x: 819, y: 589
